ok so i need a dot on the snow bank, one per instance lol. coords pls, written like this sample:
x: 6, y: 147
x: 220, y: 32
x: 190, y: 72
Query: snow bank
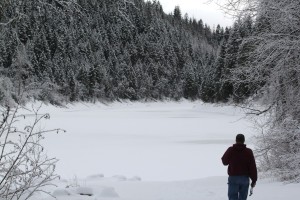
x: 88, y: 191
x: 211, y: 188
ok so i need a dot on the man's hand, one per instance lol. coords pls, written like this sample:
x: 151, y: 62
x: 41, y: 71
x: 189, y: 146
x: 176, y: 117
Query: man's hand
x: 253, y: 185
x: 251, y: 191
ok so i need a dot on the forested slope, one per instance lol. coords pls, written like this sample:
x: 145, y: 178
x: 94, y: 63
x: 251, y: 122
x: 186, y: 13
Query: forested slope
x: 106, y: 49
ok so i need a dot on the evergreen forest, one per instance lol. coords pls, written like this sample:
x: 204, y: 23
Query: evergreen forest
x: 114, y: 50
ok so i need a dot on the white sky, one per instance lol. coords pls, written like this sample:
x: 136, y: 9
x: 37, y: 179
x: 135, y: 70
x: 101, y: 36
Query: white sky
x: 210, y: 13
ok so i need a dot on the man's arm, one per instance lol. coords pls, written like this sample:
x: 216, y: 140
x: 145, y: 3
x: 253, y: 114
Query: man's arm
x: 253, y: 169
x: 226, y: 157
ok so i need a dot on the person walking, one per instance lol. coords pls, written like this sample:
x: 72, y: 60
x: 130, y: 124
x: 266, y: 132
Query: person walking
x: 241, y: 167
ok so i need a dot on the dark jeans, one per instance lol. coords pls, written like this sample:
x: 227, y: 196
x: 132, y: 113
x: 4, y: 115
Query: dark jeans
x: 238, y: 187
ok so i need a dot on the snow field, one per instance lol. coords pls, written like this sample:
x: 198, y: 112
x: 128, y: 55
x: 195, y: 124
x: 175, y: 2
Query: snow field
x: 148, y: 151
x: 211, y: 188
x: 155, y: 141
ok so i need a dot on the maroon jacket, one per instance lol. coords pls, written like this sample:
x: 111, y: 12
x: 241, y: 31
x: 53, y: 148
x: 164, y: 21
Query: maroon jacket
x: 240, y: 161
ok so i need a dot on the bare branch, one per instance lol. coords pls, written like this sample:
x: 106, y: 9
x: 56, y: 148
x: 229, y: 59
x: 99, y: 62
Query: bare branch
x: 26, y: 168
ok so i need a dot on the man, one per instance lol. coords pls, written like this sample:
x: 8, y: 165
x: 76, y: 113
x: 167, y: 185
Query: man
x: 241, y: 167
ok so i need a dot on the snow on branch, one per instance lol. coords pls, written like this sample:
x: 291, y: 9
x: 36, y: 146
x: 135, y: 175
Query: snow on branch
x: 25, y: 168
x: 238, y: 8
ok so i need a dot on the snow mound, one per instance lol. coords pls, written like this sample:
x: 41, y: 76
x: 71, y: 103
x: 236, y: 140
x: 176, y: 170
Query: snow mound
x: 95, y: 176
x: 119, y: 178
x: 85, y: 191
x: 135, y: 178
x: 60, y: 192
x: 108, y: 192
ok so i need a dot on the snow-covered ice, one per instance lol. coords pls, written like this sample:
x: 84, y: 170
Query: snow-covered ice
x: 148, y: 151
x: 156, y: 141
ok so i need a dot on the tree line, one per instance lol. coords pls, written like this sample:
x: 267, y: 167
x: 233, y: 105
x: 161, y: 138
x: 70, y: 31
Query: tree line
x: 110, y: 50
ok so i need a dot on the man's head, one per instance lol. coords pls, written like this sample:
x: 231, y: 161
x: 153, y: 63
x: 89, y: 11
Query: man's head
x: 240, y: 138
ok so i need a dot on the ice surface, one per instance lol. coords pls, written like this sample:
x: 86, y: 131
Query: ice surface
x: 155, y: 141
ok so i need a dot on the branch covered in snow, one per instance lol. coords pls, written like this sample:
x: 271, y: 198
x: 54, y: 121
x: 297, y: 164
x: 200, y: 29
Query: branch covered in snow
x: 25, y: 168
x: 272, y: 66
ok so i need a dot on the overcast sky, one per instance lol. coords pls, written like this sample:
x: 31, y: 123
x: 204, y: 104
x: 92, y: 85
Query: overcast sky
x: 210, y: 13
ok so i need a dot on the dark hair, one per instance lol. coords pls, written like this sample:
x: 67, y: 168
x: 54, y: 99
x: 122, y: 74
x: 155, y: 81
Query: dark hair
x: 240, y: 138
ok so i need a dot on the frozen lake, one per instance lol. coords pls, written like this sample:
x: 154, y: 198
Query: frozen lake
x: 148, y: 151
x: 161, y: 141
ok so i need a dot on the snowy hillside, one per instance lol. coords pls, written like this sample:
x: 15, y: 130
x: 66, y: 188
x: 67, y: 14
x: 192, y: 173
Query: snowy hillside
x: 148, y: 151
